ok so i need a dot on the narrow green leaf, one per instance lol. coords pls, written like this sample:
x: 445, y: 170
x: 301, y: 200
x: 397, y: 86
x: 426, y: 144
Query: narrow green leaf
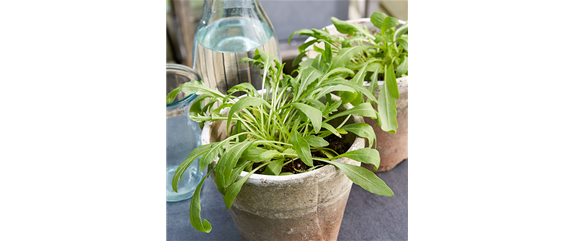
x: 195, y: 209
x: 330, y: 128
x: 308, y: 75
x: 332, y: 108
x: 362, y: 130
x: 387, y: 109
x: 233, y: 189
x: 196, y: 153
x: 236, y: 171
x: 343, y: 83
x: 302, y: 148
x: 328, y: 54
x: 364, y: 178
x: 315, y: 103
x: 391, y: 81
x: 404, y: 43
x: 242, y: 104
x: 345, y: 54
x: 364, y: 109
x: 258, y: 154
x: 211, y: 154
x: 312, y: 113
x: 403, y: 67
x: 274, y: 167
x: 335, y: 71
x: 172, y: 95
x: 196, y: 87
x: 229, y: 159
x: 304, y: 46
x: 364, y: 155
x: 245, y: 87
x: 301, y: 32
x: 325, y: 90
x: 360, y: 76
x: 401, y: 30
x: 316, y: 141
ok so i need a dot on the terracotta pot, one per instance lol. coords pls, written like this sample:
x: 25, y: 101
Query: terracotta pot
x: 305, y: 206
x: 393, y: 148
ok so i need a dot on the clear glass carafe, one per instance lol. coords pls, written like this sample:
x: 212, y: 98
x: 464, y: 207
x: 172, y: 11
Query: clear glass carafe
x: 228, y: 31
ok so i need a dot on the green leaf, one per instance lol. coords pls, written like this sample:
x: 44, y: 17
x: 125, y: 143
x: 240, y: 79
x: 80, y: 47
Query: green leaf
x: 377, y: 19
x: 345, y: 54
x: 274, y: 167
x: 312, y: 113
x: 404, y: 43
x: 339, y: 84
x: 403, y: 67
x: 305, y: 45
x: 236, y: 171
x: 364, y: 178
x: 242, y: 104
x: 233, y: 189
x: 196, y: 153
x: 298, y: 58
x: 403, y: 29
x: 316, y: 141
x: 374, y: 80
x: 328, y: 54
x: 362, y: 130
x: 387, y: 108
x: 196, y: 87
x: 364, y: 109
x: 172, y: 95
x: 211, y: 154
x: 347, y: 96
x: 325, y: 90
x: 333, y: 107
x: 360, y: 76
x: 307, y: 76
x: 344, y: 27
x: 229, y: 159
x: 302, y: 148
x: 364, y: 155
x: 258, y: 154
x: 388, y: 23
x: 391, y: 81
x: 330, y: 128
x: 246, y: 87
x: 315, y: 103
x: 301, y: 32
x: 340, y: 70
x: 195, y: 209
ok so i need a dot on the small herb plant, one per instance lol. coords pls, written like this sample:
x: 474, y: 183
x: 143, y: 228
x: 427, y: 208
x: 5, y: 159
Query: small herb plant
x: 285, y: 123
x: 368, y: 56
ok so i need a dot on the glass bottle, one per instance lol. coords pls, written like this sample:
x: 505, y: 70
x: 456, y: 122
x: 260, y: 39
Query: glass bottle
x: 228, y: 31
x: 183, y: 134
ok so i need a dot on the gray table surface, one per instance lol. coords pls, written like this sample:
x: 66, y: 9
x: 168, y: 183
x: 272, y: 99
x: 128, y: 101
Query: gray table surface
x: 367, y: 216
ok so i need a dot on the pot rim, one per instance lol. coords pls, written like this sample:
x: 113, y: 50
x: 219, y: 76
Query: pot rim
x: 256, y: 178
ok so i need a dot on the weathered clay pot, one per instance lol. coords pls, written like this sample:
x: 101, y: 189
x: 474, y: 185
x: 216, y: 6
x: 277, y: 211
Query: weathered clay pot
x: 393, y: 148
x: 305, y: 206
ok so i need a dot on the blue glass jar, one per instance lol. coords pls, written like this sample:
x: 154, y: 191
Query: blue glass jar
x: 183, y: 134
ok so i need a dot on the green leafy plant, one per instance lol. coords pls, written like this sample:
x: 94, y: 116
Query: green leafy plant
x: 285, y: 123
x: 368, y: 55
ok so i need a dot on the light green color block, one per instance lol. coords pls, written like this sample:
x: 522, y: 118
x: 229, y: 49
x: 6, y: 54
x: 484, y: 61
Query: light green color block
x: 491, y: 47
